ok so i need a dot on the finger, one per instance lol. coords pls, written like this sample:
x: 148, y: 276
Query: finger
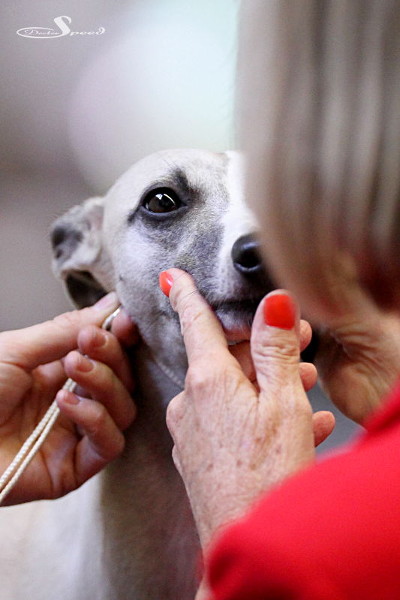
x: 305, y: 334
x: 323, y: 425
x: 241, y: 352
x: 102, y: 385
x: 47, y: 380
x: 308, y: 375
x: 175, y: 413
x: 125, y: 329
x: 275, y: 341
x: 50, y: 375
x: 102, y: 441
x: 51, y: 340
x: 176, y: 460
x: 104, y: 347
x: 202, y: 333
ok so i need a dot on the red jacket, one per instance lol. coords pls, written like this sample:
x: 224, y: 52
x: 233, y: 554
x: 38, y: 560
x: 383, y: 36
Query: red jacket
x: 331, y: 532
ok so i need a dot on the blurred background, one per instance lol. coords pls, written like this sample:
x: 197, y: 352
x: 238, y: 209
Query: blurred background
x: 77, y: 110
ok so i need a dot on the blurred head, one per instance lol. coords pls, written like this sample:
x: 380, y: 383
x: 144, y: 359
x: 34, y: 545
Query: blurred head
x: 319, y: 119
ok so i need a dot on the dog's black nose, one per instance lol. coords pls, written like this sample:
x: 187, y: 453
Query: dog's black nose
x: 246, y: 257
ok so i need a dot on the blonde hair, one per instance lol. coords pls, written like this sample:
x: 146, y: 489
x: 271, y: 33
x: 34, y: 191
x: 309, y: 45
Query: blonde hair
x: 319, y: 119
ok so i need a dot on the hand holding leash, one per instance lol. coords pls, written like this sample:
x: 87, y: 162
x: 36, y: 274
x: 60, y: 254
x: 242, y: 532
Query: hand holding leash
x: 82, y: 432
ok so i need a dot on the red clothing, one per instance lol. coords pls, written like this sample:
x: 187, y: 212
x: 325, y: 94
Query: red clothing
x: 329, y: 533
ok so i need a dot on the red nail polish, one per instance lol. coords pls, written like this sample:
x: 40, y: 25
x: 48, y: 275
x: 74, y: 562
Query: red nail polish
x: 165, y: 281
x: 280, y: 311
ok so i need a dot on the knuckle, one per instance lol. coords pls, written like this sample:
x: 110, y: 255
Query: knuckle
x: 174, y: 410
x: 71, y: 363
x: 177, y: 462
x: 89, y: 336
x: 6, y: 340
x: 130, y: 414
x: 189, y: 313
x: 14, y: 346
x: 99, y: 419
x: 67, y: 320
x: 111, y: 449
x: 283, y: 349
x: 199, y: 377
x: 205, y: 377
x: 118, y: 445
x: 170, y: 418
x: 305, y: 332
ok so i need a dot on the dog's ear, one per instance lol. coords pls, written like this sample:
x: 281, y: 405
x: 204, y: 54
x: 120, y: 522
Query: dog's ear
x: 76, y: 243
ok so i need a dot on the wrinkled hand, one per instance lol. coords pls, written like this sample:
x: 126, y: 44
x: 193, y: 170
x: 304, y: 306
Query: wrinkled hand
x: 243, y: 423
x: 34, y: 364
x: 359, y: 356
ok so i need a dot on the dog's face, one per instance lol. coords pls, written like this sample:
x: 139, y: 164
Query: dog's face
x: 179, y: 208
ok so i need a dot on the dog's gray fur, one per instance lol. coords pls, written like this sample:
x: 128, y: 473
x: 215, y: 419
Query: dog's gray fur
x: 128, y: 533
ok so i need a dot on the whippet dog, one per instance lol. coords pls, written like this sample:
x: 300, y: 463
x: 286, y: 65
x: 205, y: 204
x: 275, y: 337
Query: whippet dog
x: 128, y: 533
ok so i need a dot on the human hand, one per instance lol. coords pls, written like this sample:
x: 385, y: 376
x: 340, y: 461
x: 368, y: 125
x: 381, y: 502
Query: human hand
x: 359, y: 356
x: 34, y: 364
x: 239, y: 428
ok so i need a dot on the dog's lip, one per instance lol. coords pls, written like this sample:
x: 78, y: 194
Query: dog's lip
x: 236, y: 335
x: 236, y: 317
x: 247, y: 305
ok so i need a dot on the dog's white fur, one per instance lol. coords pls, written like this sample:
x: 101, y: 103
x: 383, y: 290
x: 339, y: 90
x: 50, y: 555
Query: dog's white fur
x: 128, y: 533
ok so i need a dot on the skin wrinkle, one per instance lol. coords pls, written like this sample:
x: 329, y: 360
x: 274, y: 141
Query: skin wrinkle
x: 254, y: 435
x: 269, y: 457
x: 253, y: 432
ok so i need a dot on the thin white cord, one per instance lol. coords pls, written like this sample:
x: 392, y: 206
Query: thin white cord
x: 31, y: 446
x: 25, y: 448
x: 25, y: 462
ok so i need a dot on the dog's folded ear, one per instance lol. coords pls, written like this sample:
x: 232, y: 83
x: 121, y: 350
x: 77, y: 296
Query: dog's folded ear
x: 77, y: 249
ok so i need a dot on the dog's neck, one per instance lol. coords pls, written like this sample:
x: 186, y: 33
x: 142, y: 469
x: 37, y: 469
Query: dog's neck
x: 163, y: 346
x: 174, y: 375
x: 151, y: 492
x: 157, y: 374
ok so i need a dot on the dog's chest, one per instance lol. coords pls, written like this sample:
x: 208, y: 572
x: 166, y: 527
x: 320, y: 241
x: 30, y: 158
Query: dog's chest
x: 151, y: 547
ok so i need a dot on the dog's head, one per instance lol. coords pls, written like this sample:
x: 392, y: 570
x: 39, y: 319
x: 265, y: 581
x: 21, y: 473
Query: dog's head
x: 178, y: 208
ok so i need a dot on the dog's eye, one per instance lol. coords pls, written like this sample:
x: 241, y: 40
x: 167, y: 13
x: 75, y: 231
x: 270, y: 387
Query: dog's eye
x: 162, y: 201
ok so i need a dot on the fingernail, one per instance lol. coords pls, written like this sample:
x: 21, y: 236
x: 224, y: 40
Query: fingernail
x: 280, y: 311
x: 107, y: 302
x: 99, y: 339
x: 165, y: 281
x: 85, y: 364
x: 68, y: 397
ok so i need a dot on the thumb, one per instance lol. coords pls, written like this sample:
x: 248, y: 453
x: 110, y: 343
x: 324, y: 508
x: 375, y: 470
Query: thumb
x: 275, y: 347
x: 53, y: 339
x: 275, y: 343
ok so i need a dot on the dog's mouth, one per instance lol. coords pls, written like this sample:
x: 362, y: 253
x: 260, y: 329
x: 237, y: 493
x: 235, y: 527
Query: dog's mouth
x: 236, y: 317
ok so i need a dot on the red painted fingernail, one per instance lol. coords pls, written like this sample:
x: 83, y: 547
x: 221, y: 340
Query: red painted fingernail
x: 280, y: 311
x: 165, y: 281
